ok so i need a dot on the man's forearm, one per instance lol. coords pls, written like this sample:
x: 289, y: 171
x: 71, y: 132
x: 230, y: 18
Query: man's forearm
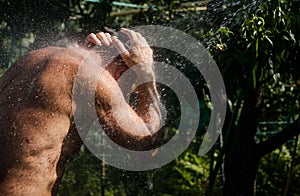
x: 148, y: 105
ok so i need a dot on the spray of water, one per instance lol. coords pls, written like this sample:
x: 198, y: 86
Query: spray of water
x: 188, y: 47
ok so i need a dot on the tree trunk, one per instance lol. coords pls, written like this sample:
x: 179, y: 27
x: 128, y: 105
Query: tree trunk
x: 241, y: 159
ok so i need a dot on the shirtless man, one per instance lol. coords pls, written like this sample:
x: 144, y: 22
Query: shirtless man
x: 37, y: 129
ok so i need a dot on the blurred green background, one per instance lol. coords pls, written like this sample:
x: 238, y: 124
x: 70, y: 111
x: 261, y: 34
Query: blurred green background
x: 256, y: 46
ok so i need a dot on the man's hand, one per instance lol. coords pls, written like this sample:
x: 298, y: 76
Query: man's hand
x: 139, y: 57
x: 97, y: 40
x: 117, y: 67
x: 140, y: 52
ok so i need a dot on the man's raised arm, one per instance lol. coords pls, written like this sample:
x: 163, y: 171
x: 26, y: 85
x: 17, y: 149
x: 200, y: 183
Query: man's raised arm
x: 137, y: 128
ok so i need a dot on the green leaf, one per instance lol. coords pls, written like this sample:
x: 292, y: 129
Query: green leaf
x: 254, y: 70
x: 256, y: 48
x: 249, y: 45
x: 282, y: 54
x: 285, y: 38
x: 268, y: 39
x: 293, y: 37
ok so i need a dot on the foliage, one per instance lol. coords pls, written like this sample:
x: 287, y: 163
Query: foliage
x: 83, y: 176
x: 264, y: 47
x: 254, y: 42
x: 28, y: 24
x: 257, y: 48
x: 273, y: 172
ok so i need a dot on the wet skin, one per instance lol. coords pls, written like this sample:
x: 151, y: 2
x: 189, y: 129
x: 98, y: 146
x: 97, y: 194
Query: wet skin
x: 37, y: 130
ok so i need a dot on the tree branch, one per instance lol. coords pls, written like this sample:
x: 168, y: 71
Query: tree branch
x: 280, y: 138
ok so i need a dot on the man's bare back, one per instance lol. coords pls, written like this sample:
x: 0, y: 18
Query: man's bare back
x: 37, y: 130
